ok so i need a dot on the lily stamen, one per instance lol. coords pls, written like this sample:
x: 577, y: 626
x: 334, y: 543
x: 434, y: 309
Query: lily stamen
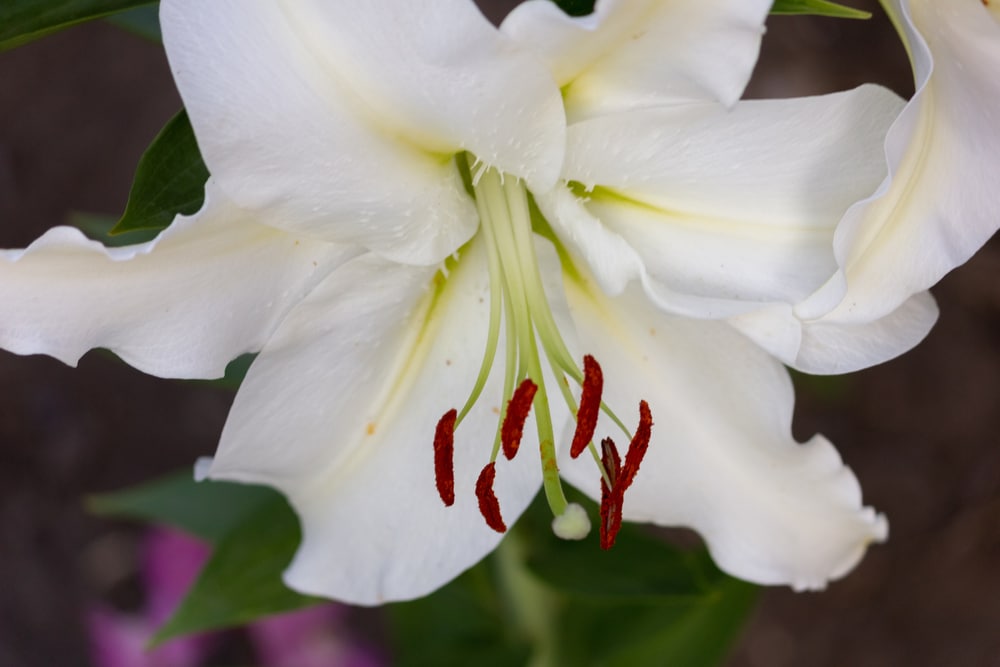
x: 611, y: 505
x: 618, y: 477
x: 590, y: 406
x: 444, y: 457
x: 637, y: 448
x: 517, y: 413
x: 489, y: 506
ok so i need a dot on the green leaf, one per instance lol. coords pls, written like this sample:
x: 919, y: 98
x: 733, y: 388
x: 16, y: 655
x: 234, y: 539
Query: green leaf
x: 24, y: 20
x: 464, y: 623
x: 98, y: 226
x: 210, y: 510
x: 642, y: 603
x: 639, y: 568
x: 576, y: 7
x: 170, y: 179
x: 698, y: 633
x: 829, y: 389
x: 236, y: 370
x: 141, y: 21
x: 255, y: 534
x: 242, y: 580
x: 818, y: 8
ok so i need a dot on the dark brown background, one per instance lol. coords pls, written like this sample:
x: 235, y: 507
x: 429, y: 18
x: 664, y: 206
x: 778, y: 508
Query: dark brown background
x: 76, y: 111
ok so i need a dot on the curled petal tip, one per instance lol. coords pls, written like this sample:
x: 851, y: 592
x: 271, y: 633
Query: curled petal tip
x: 202, y: 468
x: 880, y: 526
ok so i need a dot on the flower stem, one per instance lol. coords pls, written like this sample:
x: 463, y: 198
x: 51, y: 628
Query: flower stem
x: 531, y: 605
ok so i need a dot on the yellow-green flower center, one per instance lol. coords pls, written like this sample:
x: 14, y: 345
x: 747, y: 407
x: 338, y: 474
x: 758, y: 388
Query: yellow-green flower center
x: 518, y: 303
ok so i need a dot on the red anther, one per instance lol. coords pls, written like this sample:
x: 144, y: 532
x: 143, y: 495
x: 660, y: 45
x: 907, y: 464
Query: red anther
x: 611, y: 460
x: 489, y: 506
x: 444, y: 457
x: 637, y: 448
x: 590, y: 406
x: 611, y: 496
x: 517, y: 413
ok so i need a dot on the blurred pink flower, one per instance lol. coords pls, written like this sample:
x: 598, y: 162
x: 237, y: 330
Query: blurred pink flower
x: 169, y: 563
x: 312, y: 637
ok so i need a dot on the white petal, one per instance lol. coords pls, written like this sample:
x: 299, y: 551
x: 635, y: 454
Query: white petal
x: 211, y: 287
x: 339, y: 412
x: 632, y: 54
x: 940, y: 202
x: 722, y: 459
x: 734, y: 204
x: 830, y: 346
x: 340, y: 119
x: 827, y: 345
x: 615, y: 262
x: 609, y: 256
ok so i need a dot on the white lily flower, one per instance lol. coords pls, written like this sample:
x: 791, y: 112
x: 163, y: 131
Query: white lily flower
x: 368, y: 227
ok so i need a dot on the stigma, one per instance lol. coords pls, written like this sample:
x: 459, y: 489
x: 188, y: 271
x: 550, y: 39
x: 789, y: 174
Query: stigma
x: 520, y: 307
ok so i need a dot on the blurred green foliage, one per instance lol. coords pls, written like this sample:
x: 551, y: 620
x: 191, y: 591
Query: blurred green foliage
x: 642, y: 603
